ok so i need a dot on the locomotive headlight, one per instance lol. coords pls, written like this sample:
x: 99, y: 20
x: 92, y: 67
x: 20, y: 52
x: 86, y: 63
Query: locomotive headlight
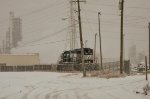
x: 88, y: 56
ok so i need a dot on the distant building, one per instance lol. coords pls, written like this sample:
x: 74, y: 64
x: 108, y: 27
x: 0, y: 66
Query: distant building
x: 132, y: 54
x: 15, y: 30
x: 7, y: 49
x: 19, y: 59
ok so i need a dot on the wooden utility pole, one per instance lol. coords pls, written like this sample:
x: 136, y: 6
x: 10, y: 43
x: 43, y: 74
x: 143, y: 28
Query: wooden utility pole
x: 86, y: 43
x: 95, y: 48
x: 149, y: 44
x: 121, y: 36
x: 81, y: 39
x: 146, y: 67
x: 101, y: 58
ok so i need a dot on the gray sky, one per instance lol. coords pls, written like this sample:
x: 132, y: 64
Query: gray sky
x: 42, y: 20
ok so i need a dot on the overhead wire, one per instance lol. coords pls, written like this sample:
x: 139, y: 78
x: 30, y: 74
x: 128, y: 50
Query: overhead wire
x: 110, y: 37
x: 54, y: 42
x: 110, y: 5
x: 89, y: 24
x: 45, y: 21
x: 35, y: 30
x: 129, y: 25
x: 95, y: 11
x: 47, y: 36
x: 38, y: 10
x: 41, y: 9
x: 59, y: 31
x: 47, y: 17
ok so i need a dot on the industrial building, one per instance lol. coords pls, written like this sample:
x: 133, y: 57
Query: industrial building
x: 19, y: 59
x: 13, y: 34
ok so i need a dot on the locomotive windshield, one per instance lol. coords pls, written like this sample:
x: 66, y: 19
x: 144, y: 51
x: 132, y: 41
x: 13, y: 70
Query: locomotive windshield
x: 88, y: 51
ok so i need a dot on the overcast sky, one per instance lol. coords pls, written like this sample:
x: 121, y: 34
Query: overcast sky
x: 45, y: 32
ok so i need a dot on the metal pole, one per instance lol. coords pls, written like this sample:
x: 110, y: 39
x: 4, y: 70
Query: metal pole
x: 86, y: 43
x: 121, y: 38
x: 81, y: 39
x: 101, y: 58
x: 95, y: 48
x: 149, y: 45
x: 146, y: 67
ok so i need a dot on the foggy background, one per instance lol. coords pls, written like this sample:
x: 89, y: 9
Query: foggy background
x: 45, y: 32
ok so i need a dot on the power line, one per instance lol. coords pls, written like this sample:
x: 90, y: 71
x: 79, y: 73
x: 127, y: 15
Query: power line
x: 117, y: 32
x: 109, y: 5
x: 46, y: 21
x: 44, y: 43
x: 41, y: 9
x: 48, y: 13
x: 89, y: 24
x: 32, y: 28
x: 53, y: 42
x: 95, y: 11
x: 51, y: 15
x: 110, y: 37
x: 114, y: 23
x: 47, y: 36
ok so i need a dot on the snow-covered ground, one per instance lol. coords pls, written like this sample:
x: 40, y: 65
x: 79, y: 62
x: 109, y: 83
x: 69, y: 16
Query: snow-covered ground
x: 50, y: 85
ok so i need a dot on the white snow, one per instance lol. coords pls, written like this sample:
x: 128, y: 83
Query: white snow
x: 51, y: 85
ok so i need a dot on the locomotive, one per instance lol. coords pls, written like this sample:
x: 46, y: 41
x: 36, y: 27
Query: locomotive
x: 71, y: 59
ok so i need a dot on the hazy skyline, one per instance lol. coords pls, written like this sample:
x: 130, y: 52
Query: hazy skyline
x: 42, y: 22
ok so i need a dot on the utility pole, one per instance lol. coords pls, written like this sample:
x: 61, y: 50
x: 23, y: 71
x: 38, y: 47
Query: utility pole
x: 86, y: 43
x: 146, y: 67
x: 149, y: 44
x: 81, y: 39
x: 121, y: 4
x: 101, y: 58
x: 95, y: 48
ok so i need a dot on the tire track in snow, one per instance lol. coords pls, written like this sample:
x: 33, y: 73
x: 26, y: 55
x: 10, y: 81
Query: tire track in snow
x: 25, y: 96
x: 112, y: 96
x: 55, y: 93
x: 10, y: 95
x: 4, y: 97
x: 67, y: 96
x: 47, y: 96
x: 39, y: 93
x: 56, y: 96
x: 77, y: 94
x: 86, y: 96
x: 31, y: 89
